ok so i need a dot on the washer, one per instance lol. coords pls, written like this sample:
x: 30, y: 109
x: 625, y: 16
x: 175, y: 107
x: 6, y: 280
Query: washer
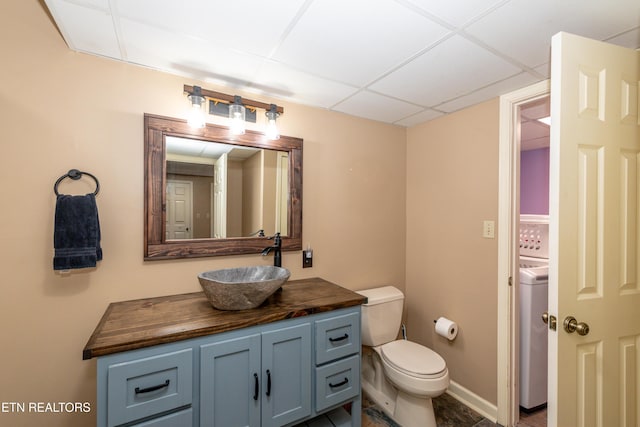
x: 534, y: 279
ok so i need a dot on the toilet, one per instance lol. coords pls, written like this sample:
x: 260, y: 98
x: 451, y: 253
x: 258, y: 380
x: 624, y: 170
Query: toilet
x: 400, y: 376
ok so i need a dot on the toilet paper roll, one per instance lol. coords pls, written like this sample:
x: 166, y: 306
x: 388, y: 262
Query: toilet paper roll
x: 446, y: 328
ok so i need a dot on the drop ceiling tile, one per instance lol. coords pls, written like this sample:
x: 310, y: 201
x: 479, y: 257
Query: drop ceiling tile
x: 334, y: 49
x: 245, y: 25
x: 376, y: 107
x: 486, y: 93
x: 451, y: 69
x: 184, y: 55
x: 87, y: 29
x: 287, y: 83
x: 629, y: 39
x: 544, y: 70
x: 418, y: 118
x: 356, y: 41
x: 523, y: 29
x: 457, y: 12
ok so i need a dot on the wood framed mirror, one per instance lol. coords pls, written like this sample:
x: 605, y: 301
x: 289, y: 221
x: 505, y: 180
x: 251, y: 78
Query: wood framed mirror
x: 203, y: 197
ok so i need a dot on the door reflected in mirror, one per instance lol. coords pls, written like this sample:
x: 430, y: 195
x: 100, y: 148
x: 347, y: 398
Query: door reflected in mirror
x: 221, y: 191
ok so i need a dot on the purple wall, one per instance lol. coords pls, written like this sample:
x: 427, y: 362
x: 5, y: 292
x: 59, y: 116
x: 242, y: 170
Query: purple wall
x: 534, y: 181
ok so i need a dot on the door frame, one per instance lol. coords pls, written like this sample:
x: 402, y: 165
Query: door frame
x: 508, y: 212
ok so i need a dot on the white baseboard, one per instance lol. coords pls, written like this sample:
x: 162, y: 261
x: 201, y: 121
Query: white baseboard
x: 473, y: 401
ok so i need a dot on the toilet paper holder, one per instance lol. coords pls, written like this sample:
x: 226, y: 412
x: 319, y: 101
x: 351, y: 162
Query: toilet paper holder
x: 446, y: 328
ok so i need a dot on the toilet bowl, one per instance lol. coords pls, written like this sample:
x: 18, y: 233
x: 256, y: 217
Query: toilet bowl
x: 399, y: 375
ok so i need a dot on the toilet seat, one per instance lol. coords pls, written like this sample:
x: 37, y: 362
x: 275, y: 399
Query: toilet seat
x: 413, y: 359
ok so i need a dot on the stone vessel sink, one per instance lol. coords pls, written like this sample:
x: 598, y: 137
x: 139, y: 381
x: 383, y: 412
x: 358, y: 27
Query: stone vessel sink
x: 243, y: 287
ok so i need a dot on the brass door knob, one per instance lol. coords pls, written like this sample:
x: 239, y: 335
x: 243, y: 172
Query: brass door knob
x: 550, y: 320
x: 571, y: 325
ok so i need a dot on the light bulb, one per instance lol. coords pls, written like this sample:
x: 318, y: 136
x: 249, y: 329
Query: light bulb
x: 272, y: 114
x: 237, y: 114
x: 272, y: 131
x: 196, y: 116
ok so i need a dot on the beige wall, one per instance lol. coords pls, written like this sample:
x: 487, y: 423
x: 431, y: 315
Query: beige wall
x: 62, y: 109
x: 452, y: 177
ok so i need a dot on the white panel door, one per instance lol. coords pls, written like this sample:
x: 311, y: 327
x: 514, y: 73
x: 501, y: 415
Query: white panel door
x: 179, y: 208
x: 594, y: 379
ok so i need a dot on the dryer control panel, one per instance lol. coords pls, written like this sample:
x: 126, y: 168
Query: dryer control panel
x: 534, y: 236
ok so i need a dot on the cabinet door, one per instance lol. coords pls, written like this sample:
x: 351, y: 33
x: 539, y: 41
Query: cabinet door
x: 229, y: 383
x: 286, y: 375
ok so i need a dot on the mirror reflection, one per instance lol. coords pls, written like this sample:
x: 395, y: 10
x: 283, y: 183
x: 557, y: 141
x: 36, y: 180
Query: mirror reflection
x: 216, y: 190
x: 269, y: 207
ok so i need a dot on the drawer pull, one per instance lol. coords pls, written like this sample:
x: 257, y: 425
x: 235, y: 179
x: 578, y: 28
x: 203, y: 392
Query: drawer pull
x: 256, y: 386
x: 139, y: 390
x: 344, y: 337
x: 340, y: 384
x: 268, y: 382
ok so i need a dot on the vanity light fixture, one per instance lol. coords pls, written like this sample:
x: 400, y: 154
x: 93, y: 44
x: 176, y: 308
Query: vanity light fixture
x: 196, y: 114
x: 239, y: 110
x: 272, y: 114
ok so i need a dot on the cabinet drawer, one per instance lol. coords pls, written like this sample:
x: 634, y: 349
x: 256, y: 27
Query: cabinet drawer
x: 147, y: 386
x: 337, y: 337
x: 337, y: 382
x: 177, y: 419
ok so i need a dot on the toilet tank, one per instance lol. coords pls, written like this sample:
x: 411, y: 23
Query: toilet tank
x: 381, y: 315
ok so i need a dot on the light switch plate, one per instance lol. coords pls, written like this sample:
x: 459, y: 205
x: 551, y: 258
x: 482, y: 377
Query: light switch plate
x: 488, y: 229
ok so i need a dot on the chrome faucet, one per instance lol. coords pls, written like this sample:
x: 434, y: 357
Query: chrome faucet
x: 277, y: 250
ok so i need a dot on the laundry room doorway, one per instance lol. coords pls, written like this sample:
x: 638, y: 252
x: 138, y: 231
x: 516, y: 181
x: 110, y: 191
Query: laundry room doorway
x: 524, y: 144
x: 533, y: 123
x: 594, y: 217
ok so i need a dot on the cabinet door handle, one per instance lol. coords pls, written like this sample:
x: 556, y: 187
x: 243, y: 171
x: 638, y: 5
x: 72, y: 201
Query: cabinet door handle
x: 139, y: 390
x: 341, y: 383
x: 268, y: 382
x: 256, y: 386
x: 344, y: 337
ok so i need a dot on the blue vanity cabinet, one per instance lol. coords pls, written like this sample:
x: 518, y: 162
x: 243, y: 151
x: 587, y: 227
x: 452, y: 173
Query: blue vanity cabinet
x: 174, y: 361
x: 260, y: 379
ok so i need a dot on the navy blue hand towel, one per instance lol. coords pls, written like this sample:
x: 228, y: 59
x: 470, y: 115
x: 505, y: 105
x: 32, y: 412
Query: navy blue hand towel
x: 76, y: 235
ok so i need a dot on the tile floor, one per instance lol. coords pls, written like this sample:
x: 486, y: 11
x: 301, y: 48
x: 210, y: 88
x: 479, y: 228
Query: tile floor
x: 449, y: 413
x: 533, y: 419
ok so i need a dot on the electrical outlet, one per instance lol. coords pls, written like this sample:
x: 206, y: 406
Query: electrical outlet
x: 307, y: 258
x: 488, y: 229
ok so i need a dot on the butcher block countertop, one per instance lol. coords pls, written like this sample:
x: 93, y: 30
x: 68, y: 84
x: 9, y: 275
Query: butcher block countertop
x: 130, y: 325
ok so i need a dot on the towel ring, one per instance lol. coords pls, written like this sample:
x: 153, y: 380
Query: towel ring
x: 75, y: 174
